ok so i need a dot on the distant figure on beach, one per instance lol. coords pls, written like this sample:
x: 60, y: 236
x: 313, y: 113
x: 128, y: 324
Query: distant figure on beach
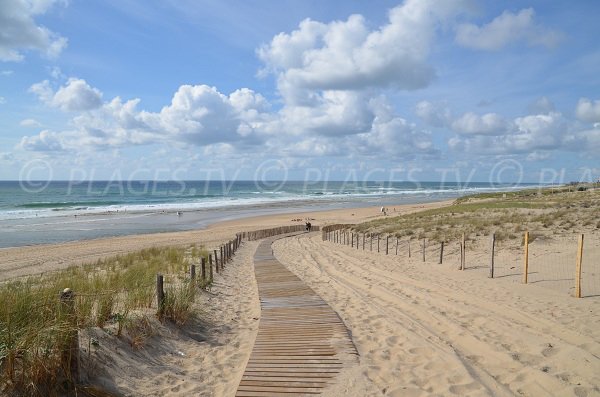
x: 308, y: 226
x: 178, y: 213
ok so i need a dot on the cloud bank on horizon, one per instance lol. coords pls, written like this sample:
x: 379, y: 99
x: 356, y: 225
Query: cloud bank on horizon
x: 435, y: 85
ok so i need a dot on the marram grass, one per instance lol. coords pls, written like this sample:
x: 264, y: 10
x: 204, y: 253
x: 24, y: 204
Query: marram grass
x: 35, y: 328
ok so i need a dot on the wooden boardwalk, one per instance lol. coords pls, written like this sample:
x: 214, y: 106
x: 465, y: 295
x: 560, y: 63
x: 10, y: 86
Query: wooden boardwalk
x: 301, y: 344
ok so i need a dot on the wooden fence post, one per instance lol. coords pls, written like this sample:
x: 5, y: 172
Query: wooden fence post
x: 203, y: 268
x: 492, y: 249
x: 578, y: 267
x: 387, y: 244
x: 221, y: 261
x: 192, y: 272
x: 441, y: 252
x: 397, y: 244
x: 423, y: 249
x: 357, y: 239
x: 70, y: 356
x: 371, y: 234
x: 526, y: 257
x: 378, y: 243
x: 352, y: 240
x: 216, y: 261
x: 364, y: 237
x: 160, y: 295
x: 463, y: 249
x: 210, y: 268
x: 409, y: 247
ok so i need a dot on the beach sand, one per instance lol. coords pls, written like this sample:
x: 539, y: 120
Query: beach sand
x: 421, y: 329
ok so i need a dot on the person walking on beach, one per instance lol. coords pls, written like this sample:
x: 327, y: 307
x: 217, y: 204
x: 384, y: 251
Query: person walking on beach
x: 308, y: 226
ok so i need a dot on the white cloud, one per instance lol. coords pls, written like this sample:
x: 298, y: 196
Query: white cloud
x: 6, y: 73
x: 473, y: 124
x: 506, y: 29
x: 30, y: 123
x: 588, y: 110
x: 346, y: 55
x: 334, y: 113
x: 76, y: 95
x: 198, y: 115
x: 19, y: 30
x: 2, y: 100
x: 434, y: 114
x: 539, y: 132
x: 45, y: 141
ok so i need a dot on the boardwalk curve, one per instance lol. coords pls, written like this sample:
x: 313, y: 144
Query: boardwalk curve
x: 302, y: 344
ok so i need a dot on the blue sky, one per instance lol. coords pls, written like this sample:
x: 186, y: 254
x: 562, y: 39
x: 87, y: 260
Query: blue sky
x: 428, y: 90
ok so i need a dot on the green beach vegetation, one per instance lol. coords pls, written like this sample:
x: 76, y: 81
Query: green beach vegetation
x: 548, y: 211
x: 117, y: 294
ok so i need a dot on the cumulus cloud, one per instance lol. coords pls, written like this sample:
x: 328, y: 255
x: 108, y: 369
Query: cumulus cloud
x: 588, y: 110
x: 76, y: 95
x: 346, y: 55
x: 334, y: 113
x: 45, y: 141
x: 473, y: 124
x: 19, y: 30
x: 505, y: 30
x: 539, y: 132
x: 198, y: 115
x: 434, y: 114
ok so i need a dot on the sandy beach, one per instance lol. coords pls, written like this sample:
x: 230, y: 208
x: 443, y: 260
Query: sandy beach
x: 421, y: 329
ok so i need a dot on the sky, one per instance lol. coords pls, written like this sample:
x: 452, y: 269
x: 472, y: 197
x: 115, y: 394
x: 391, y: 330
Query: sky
x: 429, y: 90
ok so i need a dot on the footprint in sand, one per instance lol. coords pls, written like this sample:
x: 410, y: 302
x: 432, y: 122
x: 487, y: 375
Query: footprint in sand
x: 549, y: 351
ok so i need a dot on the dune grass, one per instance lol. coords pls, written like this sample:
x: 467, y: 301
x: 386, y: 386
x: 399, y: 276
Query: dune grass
x: 549, y: 211
x: 35, y: 327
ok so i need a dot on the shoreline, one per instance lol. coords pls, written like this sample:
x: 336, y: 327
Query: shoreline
x: 21, y: 261
x: 23, y: 232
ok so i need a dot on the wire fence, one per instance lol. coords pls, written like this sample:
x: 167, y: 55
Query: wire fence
x: 547, y: 261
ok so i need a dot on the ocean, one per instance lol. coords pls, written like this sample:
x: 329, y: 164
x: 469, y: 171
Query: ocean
x: 38, y: 212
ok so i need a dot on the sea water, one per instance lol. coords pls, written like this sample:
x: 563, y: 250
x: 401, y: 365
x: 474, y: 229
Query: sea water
x: 39, y: 212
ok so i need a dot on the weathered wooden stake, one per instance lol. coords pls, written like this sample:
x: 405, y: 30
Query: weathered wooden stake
x: 210, y: 267
x: 441, y: 252
x: 397, y: 244
x: 578, y: 267
x: 352, y: 242
x: 463, y: 250
x: 70, y: 356
x: 371, y: 234
x: 387, y: 244
x: 526, y: 258
x: 192, y: 272
x: 378, y: 243
x: 409, y: 247
x: 222, y: 261
x: 216, y: 261
x: 364, y: 237
x: 160, y: 295
x: 423, y: 249
x: 203, y: 269
x: 492, y: 249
